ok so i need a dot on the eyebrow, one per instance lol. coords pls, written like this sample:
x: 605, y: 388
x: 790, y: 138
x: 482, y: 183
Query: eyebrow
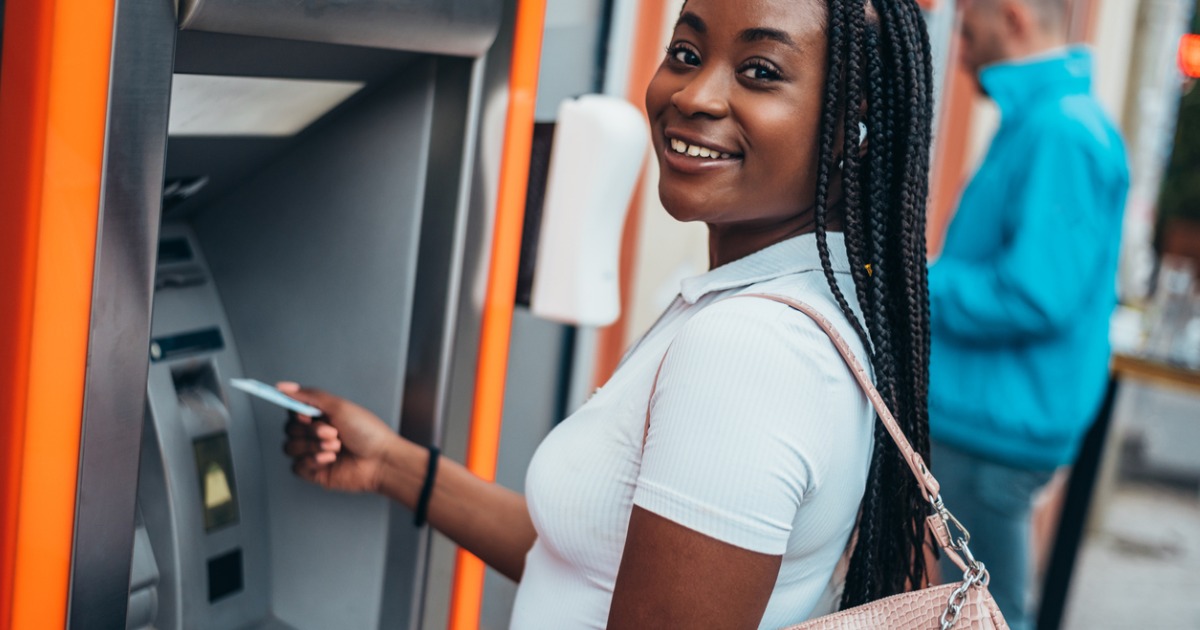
x: 748, y: 36
x: 691, y: 19
x: 752, y: 35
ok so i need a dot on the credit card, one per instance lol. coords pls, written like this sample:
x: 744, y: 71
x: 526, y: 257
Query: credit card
x: 272, y: 395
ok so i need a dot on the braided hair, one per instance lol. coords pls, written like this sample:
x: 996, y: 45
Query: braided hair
x: 879, y: 55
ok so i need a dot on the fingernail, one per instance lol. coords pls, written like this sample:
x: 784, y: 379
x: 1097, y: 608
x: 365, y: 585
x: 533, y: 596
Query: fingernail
x: 326, y: 458
x: 287, y: 386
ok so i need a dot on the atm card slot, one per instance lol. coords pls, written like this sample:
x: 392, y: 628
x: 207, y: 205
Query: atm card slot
x: 175, y: 346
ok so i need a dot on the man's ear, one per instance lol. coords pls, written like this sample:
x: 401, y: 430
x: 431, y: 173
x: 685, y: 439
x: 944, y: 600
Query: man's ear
x: 1018, y: 19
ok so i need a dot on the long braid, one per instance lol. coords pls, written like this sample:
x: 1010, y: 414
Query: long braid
x: 826, y: 158
x: 879, y: 53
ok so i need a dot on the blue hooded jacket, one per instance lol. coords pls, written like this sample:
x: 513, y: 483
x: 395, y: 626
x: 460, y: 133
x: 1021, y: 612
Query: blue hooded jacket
x: 1021, y: 296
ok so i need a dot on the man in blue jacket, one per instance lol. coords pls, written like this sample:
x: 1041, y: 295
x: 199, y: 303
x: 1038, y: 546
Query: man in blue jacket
x: 1022, y: 293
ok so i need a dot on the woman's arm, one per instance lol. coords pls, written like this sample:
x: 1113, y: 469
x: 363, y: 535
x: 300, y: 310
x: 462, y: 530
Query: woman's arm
x: 350, y: 449
x: 484, y: 518
x: 674, y: 577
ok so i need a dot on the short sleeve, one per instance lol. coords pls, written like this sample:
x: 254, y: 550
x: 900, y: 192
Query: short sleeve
x: 752, y: 405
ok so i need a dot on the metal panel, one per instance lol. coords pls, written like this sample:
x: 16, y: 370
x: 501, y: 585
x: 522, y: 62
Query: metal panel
x: 439, y: 276
x: 115, y: 386
x: 315, y: 258
x: 460, y: 27
x: 482, y: 180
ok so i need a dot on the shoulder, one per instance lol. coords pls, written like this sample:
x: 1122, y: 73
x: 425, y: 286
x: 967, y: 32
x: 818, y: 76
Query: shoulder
x: 1076, y: 123
x: 755, y: 335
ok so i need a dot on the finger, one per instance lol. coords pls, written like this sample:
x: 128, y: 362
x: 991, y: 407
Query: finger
x: 331, y: 446
x: 325, y: 457
x: 301, y: 447
x: 297, y: 417
x: 320, y: 399
x: 307, y: 469
x: 325, y: 431
x: 297, y: 429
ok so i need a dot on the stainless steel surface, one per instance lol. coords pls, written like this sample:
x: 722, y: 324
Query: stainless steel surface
x: 480, y: 208
x: 463, y: 28
x: 439, y: 278
x: 115, y: 385
x: 315, y: 257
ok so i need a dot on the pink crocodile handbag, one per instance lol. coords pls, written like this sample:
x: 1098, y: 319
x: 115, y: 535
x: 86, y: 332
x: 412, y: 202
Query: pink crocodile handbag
x: 964, y: 604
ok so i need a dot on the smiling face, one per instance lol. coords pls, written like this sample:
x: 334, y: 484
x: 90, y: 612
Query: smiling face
x: 735, y: 109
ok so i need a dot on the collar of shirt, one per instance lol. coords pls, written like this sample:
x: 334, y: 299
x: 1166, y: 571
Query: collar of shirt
x: 1020, y: 83
x: 794, y: 255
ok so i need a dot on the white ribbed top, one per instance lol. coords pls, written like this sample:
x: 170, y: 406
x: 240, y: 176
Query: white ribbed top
x: 759, y: 437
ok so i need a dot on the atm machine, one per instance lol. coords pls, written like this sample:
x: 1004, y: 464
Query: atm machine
x: 302, y: 164
x: 316, y: 164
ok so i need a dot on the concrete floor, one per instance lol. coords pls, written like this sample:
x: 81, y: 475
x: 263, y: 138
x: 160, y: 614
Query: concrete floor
x: 1140, y: 567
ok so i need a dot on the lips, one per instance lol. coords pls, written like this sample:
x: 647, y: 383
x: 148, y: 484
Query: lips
x: 692, y: 145
x: 694, y: 150
x: 694, y: 155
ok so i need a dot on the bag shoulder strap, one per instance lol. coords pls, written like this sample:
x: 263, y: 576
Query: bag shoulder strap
x: 916, y: 464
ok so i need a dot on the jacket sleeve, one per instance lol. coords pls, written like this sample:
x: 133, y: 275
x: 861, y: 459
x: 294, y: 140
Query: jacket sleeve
x: 1062, y: 223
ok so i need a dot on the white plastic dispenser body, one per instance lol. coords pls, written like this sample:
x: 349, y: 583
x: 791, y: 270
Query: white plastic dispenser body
x: 600, y: 144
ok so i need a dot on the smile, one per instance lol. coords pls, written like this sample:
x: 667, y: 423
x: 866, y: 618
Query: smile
x: 695, y: 150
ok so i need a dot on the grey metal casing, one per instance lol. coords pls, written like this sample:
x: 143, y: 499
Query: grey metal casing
x: 315, y: 259
x: 170, y: 498
x: 462, y: 27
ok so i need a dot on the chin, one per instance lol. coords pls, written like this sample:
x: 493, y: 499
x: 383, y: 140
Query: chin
x: 681, y: 206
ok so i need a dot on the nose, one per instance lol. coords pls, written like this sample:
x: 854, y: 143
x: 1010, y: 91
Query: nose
x: 706, y: 93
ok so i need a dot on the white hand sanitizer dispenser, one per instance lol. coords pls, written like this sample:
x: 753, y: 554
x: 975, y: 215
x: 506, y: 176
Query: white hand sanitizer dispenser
x: 600, y: 144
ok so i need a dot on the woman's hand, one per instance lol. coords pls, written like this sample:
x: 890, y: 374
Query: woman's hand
x: 345, y: 449
x: 349, y: 448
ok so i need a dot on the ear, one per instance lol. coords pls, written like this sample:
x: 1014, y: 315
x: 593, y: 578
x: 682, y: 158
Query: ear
x: 1018, y: 19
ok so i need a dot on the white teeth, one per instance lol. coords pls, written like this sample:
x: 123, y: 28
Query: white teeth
x: 693, y: 150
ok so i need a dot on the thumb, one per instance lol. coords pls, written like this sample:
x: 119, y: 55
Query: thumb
x: 320, y: 399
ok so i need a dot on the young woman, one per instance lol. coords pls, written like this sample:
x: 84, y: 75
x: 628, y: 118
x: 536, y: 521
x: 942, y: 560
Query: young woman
x: 798, y: 131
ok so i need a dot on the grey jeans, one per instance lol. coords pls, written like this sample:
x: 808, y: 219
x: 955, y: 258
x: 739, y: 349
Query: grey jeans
x: 994, y: 502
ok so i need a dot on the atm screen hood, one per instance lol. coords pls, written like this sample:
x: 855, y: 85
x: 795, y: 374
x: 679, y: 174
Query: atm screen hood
x: 464, y: 28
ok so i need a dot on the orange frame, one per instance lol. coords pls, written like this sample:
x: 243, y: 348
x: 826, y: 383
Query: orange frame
x: 53, y: 109
x: 483, y: 442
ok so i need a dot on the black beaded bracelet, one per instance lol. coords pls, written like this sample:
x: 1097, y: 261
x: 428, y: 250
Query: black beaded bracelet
x: 427, y: 488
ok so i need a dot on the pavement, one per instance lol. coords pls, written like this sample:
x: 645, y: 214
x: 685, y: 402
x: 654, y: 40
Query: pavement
x: 1140, y: 567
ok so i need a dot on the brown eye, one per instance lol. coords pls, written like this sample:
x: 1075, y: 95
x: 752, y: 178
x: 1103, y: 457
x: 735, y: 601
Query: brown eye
x: 760, y: 71
x: 684, y: 55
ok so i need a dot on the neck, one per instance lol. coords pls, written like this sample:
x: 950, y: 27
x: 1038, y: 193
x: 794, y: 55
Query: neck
x: 730, y: 242
x: 1040, y: 44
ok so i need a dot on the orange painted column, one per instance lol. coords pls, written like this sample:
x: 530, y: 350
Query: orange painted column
x: 646, y: 57
x: 54, y: 72
x: 949, y: 169
x: 483, y: 443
